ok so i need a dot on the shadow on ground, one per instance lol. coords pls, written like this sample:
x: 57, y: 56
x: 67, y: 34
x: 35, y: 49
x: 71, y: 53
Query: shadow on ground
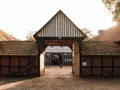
x: 7, y: 80
x: 59, y: 79
x: 64, y: 83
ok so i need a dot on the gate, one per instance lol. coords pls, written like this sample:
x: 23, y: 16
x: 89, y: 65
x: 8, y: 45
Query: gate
x: 66, y: 58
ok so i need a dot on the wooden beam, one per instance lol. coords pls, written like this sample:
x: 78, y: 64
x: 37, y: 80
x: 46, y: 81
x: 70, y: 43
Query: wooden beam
x: 9, y: 58
x: 91, y: 64
x: 38, y: 56
x: 101, y: 65
x: 28, y: 59
x: 113, y: 72
x: 58, y: 42
x: 19, y: 64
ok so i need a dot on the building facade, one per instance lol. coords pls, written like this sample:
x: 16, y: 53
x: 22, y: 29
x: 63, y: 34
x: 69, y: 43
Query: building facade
x: 89, y: 58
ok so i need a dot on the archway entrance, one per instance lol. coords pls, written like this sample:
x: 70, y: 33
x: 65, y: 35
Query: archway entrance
x: 60, y: 31
x: 58, y: 59
x: 75, y: 45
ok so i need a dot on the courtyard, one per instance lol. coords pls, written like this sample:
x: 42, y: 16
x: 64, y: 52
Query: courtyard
x: 57, y: 71
x: 57, y: 79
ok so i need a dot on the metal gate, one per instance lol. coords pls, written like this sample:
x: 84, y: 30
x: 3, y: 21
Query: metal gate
x: 66, y: 58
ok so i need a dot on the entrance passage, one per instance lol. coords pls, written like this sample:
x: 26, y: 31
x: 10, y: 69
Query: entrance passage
x: 60, y: 31
x: 58, y: 61
x: 57, y: 71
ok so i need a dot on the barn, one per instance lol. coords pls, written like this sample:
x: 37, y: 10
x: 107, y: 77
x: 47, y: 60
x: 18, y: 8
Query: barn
x: 18, y: 58
x: 89, y: 58
x: 101, y: 58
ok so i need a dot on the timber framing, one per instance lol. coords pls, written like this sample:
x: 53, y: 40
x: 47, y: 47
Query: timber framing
x: 28, y: 68
x: 91, y: 61
x: 38, y: 56
x: 9, y: 58
x: 102, y: 67
x: 18, y: 64
x: 101, y: 56
x: 41, y: 41
x: 113, y: 67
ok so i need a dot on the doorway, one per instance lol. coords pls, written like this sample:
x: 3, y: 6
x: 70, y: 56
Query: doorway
x: 58, y: 61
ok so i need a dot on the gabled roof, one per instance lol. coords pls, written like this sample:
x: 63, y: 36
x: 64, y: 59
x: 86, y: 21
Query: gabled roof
x: 111, y: 34
x: 59, y: 26
x: 100, y: 48
x: 5, y: 37
x: 19, y: 48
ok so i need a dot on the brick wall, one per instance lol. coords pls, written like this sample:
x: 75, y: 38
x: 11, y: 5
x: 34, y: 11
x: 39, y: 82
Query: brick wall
x: 18, y: 65
x: 96, y: 65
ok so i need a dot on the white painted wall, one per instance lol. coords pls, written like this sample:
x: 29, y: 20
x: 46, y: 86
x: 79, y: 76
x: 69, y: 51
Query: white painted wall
x: 42, y: 67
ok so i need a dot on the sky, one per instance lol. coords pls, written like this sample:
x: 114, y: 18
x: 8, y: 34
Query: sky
x: 18, y: 17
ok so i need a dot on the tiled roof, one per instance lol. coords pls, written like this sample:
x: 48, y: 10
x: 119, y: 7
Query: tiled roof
x: 27, y: 48
x: 100, y: 48
x: 112, y: 34
x: 18, y: 48
x: 5, y: 37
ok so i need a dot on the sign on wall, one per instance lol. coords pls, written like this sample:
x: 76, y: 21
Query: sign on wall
x: 84, y: 63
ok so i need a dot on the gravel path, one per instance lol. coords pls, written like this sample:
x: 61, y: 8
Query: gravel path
x: 53, y: 82
x: 61, y: 83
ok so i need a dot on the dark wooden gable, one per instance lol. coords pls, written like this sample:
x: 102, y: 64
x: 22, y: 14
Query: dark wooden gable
x: 60, y: 26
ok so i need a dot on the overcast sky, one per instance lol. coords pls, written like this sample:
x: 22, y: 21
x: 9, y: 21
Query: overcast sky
x: 18, y: 17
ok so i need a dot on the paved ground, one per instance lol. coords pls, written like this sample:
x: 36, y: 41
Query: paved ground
x: 57, y: 71
x: 60, y: 82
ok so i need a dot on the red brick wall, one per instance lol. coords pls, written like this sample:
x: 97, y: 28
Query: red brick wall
x: 107, y: 60
x: 14, y: 61
x: 23, y: 61
x: 14, y: 66
x: 4, y: 61
x: 96, y: 61
x: 117, y: 63
x: 33, y: 61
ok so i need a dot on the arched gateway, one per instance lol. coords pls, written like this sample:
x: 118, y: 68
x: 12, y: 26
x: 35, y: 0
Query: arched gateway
x: 60, y: 31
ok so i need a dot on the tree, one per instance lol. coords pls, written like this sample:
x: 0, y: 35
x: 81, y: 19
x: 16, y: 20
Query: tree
x: 88, y: 32
x: 114, y: 7
x: 30, y: 36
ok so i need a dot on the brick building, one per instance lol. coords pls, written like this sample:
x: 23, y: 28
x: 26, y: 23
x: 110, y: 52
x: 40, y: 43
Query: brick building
x: 89, y: 58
